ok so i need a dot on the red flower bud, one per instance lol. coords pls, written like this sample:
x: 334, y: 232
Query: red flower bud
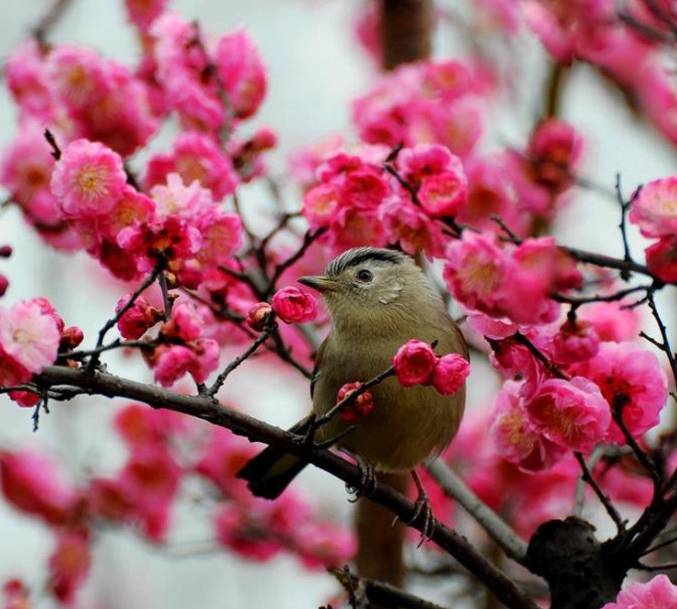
x: 71, y: 337
x: 258, y: 314
x: 414, y: 363
x: 360, y: 407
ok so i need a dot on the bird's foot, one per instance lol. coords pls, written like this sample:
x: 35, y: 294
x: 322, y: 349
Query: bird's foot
x: 422, y: 512
x: 367, y: 477
x: 306, y: 441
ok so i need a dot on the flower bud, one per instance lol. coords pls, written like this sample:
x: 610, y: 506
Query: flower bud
x: 293, y: 305
x: 414, y: 363
x: 360, y: 407
x: 5, y: 251
x: 450, y: 373
x: 4, y: 284
x: 258, y: 315
x: 71, y: 337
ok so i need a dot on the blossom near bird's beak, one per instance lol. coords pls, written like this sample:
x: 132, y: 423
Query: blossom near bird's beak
x: 319, y: 283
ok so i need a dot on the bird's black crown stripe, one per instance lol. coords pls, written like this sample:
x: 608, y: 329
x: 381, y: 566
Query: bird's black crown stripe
x: 359, y: 255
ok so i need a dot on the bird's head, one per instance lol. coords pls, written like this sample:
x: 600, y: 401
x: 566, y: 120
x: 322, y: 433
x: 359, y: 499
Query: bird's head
x: 367, y: 286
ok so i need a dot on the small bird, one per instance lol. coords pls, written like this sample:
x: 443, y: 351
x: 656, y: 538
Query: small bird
x: 378, y: 300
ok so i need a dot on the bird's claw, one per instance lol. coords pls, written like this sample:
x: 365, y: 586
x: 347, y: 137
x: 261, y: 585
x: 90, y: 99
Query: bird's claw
x: 423, y: 510
x: 367, y: 478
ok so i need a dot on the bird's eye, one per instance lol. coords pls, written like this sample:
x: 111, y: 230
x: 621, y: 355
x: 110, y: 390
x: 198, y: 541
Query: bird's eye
x: 365, y: 275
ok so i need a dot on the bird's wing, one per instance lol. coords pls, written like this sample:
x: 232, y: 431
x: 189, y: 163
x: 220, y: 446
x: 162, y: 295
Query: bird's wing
x: 318, y: 364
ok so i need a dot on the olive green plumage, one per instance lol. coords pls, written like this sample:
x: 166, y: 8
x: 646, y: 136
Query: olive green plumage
x: 378, y: 300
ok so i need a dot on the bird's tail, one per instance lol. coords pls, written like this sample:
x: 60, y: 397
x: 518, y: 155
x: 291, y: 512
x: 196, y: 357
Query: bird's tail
x: 272, y: 470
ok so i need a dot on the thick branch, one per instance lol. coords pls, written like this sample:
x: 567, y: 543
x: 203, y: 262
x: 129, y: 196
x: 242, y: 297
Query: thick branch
x: 98, y: 383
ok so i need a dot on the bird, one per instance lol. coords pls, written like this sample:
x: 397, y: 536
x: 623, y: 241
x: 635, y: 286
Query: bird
x: 378, y: 299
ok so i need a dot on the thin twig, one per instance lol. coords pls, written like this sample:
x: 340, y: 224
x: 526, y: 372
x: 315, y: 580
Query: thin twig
x: 603, y: 498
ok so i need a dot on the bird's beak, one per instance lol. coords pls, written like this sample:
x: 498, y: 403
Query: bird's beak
x: 319, y: 283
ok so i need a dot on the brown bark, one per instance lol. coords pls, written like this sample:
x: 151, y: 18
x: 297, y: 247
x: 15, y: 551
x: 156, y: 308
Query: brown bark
x: 406, y: 30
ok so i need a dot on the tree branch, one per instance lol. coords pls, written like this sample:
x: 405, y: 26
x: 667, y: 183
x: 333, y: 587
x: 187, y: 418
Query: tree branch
x: 108, y: 385
x: 455, y: 488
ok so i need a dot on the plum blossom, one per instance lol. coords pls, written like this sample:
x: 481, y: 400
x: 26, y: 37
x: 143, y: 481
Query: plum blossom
x: 258, y: 314
x: 29, y: 334
x: 661, y: 258
x: 611, y: 321
x: 515, y: 437
x: 88, y: 179
x: 360, y: 407
x: 654, y: 208
x: 657, y: 593
x: 450, y: 373
x: 572, y: 414
x: 69, y: 564
x: 633, y: 383
x: 141, y: 316
x: 293, y: 305
x: 414, y: 363
x: 143, y: 12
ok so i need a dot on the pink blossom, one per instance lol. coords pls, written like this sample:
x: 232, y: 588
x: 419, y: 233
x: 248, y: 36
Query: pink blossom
x: 320, y: 205
x: 241, y: 71
x: 654, y: 209
x: 186, y: 322
x: 33, y: 484
x: 88, y: 179
x: 414, y: 363
x: 140, y: 317
x: 207, y: 354
x: 131, y: 209
x: 657, y: 593
x: 573, y: 413
x: 515, y: 437
x: 25, y: 171
x: 140, y: 426
x: 195, y: 157
x: 450, y: 373
x: 611, y: 321
x: 413, y: 229
x: 293, y: 305
x: 322, y: 545
x: 426, y: 160
x: 632, y: 381
x: 175, y: 198
x: 69, y: 564
x: 29, y: 334
x: 241, y: 531
x: 478, y: 273
x: 222, y: 236
x: 491, y: 328
x: 77, y: 75
x: 172, y: 362
x: 444, y: 194
x: 109, y: 499
x: 353, y: 227
x: 576, y: 341
x: 363, y: 188
x: 661, y: 258
x: 27, y: 80
x: 554, y: 150
x: 360, y: 407
x: 143, y: 12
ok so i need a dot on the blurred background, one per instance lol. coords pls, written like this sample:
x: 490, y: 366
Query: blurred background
x: 315, y: 68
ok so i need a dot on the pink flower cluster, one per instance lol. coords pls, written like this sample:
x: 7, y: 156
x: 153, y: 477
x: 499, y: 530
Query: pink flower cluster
x: 258, y: 529
x: 360, y: 407
x: 591, y: 30
x: 31, y: 333
x: 359, y: 202
x: 536, y: 420
x: 416, y: 363
x: 513, y: 282
x: 654, y: 210
x: 427, y: 102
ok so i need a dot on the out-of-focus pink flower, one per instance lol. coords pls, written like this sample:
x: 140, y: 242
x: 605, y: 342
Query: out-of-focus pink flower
x: 661, y: 258
x: 242, y: 531
x: 242, y: 73
x: 320, y: 204
x: 632, y: 381
x: 143, y: 12
x: 195, y: 156
x: 414, y: 363
x: 140, y: 317
x: 108, y: 499
x: 503, y: 14
x: 515, y: 437
x: 4, y: 284
x: 15, y: 595
x: 76, y: 74
x: 414, y: 230
x: 88, y: 179
x: 611, y: 321
x: 320, y: 545
x: 304, y: 162
x: 576, y: 341
x: 416, y: 163
x: 444, y: 194
x: 69, y: 564
x: 175, y: 198
x: 29, y: 334
x: 171, y: 363
x: 450, y: 373
x: 360, y: 407
x: 186, y: 322
x: 294, y: 306
x: 26, y: 79
x: 222, y: 236
x: 654, y: 209
x: 658, y: 593
x: 489, y: 327
x: 573, y: 413
x: 141, y: 426
x: 32, y: 484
